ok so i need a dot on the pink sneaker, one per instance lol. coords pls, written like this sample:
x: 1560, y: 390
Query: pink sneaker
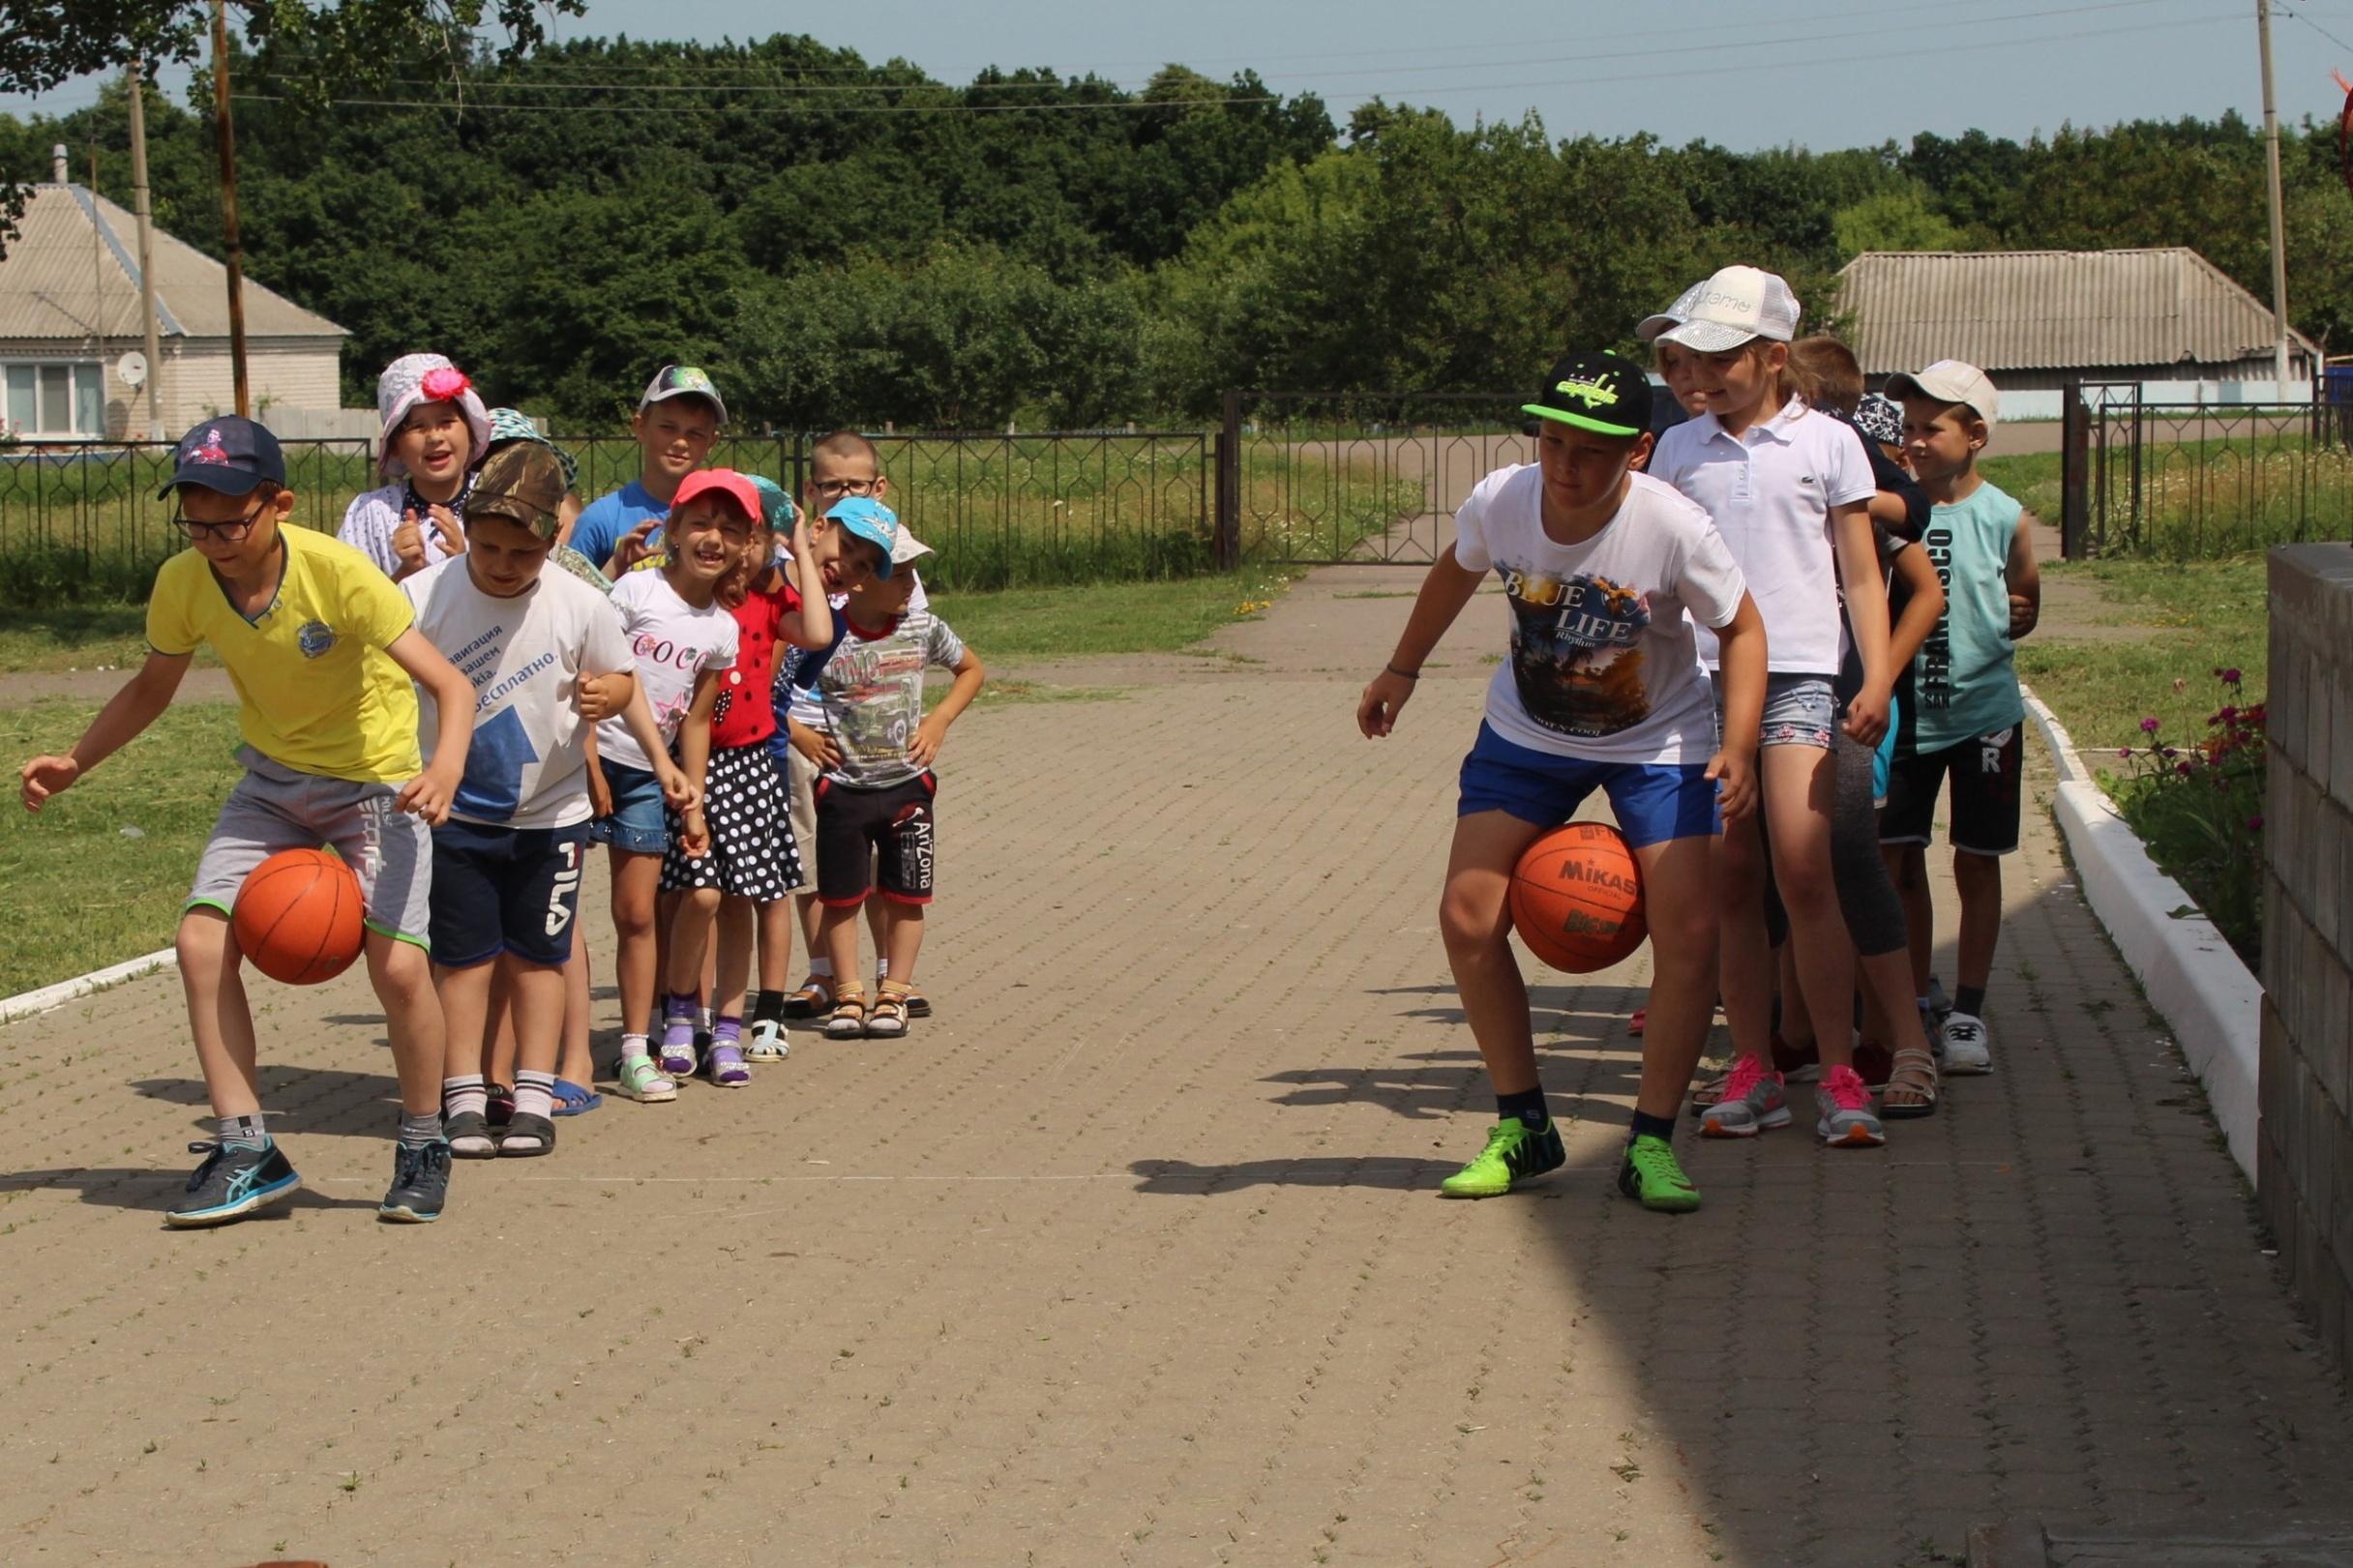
x: 1847, y: 1120
x: 1752, y: 1102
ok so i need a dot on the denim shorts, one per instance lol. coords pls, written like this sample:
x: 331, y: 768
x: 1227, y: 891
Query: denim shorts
x: 1653, y: 802
x: 636, y: 824
x: 1799, y: 710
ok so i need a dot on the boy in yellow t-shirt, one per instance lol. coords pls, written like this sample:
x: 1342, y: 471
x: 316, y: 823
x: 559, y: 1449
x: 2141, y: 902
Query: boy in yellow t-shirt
x: 321, y: 648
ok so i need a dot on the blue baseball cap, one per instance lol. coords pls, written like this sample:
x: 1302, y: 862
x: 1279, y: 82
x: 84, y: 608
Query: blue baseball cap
x: 871, y: 521
x: 227, y: 454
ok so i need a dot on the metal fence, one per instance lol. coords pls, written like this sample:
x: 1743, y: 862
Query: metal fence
x: 1323, y: 477
x: 84, y: 521
x: 2197, y: 481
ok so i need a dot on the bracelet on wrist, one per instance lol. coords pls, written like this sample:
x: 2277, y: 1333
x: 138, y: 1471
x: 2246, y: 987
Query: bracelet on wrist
x: 1404, y: 674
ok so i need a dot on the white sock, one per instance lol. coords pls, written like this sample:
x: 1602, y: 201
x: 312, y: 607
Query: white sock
x: 881, y: 968
x: 534, y: 1094
x: 823, y: 968
x: 459, y: 1095
x: 634, y: 1045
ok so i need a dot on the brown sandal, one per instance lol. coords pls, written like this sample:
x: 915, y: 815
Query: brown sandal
x: 888, y: 1021
x: 847, y: 1019
x: 1914, y: 1075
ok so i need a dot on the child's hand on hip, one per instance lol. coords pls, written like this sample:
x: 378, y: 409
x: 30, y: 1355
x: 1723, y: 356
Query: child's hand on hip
x: 47, y: 776
x: 1376, y: 709
x: 1736, y: 784
x: 925, y: 746
x: 817, y: 746
x: 2023, y: 613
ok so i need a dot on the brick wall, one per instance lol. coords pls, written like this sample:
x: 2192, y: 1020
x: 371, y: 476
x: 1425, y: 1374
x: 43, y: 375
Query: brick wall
x: 2305, y: 1150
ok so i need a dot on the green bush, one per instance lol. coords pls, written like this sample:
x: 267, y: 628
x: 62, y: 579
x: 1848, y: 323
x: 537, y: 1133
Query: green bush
x: 2199, y: 808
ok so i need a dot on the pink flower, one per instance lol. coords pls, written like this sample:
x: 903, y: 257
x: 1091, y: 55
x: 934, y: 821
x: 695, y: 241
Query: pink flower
x: 2171, y: 753
x: 2123, y: 753
x: 445, y: 384
x: 2148, y: 727
x: 2232, y: 677
x: 2182, y: 768
x: 2254, y: 823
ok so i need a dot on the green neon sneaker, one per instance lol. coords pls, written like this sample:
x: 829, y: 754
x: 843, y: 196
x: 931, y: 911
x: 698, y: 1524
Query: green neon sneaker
x: 1514, y: 1152
x: 1652, y: 1178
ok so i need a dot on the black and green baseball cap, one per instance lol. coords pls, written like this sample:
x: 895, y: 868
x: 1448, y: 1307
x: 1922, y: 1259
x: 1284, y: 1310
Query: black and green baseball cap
x: 1596, y: 392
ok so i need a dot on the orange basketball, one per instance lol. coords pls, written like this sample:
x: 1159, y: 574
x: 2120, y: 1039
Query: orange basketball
x: 1576, y: 898
x: 298, y: 917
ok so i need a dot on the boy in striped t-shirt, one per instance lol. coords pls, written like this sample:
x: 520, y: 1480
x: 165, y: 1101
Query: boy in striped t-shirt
x: 873, y: 801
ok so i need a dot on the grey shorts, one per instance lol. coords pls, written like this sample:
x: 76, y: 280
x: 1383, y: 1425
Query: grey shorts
x: 800, y: 780
x: 275, y: 807
x: 1799, y: 710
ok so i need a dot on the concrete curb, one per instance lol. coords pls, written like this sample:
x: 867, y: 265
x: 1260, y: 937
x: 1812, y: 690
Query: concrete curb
x: 47, y: 997
x: 2207, y: 997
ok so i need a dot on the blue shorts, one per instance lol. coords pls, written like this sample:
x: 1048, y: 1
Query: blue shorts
x: 1653, y: 800
x: 1883, y: 760
x: 636, y: 824
x: 501, y: 889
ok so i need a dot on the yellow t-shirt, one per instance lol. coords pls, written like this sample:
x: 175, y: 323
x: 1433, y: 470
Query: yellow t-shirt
x: 319, y: 692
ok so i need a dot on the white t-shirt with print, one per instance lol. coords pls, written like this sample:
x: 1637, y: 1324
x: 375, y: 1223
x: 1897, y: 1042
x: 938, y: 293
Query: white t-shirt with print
x: 673, y: 644
x: 802, y: 703
x: 1602, y: 664
x: 526, y: 766
x: 1771, y: 490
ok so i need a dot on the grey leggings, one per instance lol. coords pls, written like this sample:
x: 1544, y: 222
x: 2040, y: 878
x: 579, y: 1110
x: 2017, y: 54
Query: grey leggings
x: 1866, y: 896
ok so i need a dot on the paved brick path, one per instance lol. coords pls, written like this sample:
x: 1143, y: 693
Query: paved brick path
x: 1132, y: 1255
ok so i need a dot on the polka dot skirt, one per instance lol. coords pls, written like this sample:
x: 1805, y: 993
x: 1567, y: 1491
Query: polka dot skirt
x: 751, y: 853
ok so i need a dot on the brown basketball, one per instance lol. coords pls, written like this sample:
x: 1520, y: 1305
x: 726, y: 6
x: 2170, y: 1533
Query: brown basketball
x: 298, y: 917
x: 1576, y: 898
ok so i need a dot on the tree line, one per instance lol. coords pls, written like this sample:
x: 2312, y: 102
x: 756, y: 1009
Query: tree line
x: 846, y: 242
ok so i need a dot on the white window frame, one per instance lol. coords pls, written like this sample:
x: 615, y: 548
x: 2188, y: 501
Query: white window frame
x: 79, y: 372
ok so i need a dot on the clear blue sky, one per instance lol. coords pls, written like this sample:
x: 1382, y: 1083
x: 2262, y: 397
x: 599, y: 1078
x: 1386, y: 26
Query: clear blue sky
x: 1747, y: 74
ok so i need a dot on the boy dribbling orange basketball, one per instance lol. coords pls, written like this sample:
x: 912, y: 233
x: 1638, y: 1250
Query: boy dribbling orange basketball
x: 322, y: 648
x: 1605, y: 569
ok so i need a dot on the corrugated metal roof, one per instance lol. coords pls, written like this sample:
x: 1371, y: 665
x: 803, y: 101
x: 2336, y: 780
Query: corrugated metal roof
x: 73, y: 270
x: 2050, y: 309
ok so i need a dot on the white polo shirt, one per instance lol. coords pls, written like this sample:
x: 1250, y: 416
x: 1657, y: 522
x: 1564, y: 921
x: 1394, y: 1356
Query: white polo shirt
x: 1771, y: 490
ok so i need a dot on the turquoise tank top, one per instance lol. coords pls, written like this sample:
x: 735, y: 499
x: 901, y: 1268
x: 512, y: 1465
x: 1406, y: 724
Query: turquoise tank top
x: 1964, y: 683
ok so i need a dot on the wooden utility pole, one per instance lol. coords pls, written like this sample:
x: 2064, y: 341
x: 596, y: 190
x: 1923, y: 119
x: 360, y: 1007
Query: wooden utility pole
x: 138, y: 204
x: 2270, y: 145
x: 226, y: 134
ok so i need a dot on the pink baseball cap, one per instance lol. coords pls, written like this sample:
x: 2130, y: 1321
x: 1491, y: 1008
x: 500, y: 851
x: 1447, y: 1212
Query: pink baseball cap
x: 735, y: 487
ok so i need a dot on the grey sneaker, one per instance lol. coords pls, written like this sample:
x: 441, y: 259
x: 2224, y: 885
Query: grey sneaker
x: 419, y: 1183
x: 1846, y: 1119
x: 1968, y: 1048
x: 233, y: 1182
x: 1753, y: 1101
x: 1938, y: 1002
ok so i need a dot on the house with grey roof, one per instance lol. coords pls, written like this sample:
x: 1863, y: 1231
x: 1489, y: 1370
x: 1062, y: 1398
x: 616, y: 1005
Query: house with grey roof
x: 69, y: 316
x: 2035, y: 320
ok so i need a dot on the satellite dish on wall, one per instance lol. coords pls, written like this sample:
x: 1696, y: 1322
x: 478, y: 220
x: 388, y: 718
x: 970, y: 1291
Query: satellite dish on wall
x: 132, y: 368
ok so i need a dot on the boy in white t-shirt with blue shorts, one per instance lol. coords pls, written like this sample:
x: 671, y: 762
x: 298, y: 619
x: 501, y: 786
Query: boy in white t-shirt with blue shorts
x: 1606, y: 569
x: 547, y: 657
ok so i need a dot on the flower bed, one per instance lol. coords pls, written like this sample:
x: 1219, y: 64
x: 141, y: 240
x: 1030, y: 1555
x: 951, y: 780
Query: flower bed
x: 2198, y: 806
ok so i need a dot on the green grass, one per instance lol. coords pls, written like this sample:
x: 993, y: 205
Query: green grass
x: 1022, y: 624
x: 84, y: 895
x: 2201, y: 499
x: 2217, y: 616
x: 75, y: 636
x: 998, y: 511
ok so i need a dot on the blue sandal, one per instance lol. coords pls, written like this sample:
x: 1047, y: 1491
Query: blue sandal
x: 573, y: 1100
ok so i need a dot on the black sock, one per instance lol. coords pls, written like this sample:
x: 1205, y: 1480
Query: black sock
x: 1646, y: 1125
x: 1527, y: 1104
x: 1970, y: 999
x: 767, y: 1006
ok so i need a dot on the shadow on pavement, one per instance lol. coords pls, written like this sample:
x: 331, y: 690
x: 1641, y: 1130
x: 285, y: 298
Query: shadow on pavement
x: 125, y: 1187
x: 300, y: 1100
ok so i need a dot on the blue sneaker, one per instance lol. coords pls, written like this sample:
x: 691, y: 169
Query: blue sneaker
x: 419, y: 1183
x: 233, y: 1182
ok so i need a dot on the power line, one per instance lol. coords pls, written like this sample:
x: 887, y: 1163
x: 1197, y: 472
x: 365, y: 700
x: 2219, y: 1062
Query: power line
x: 1134, y: 106
x: 1585, y: 57
x: 2283, y: 10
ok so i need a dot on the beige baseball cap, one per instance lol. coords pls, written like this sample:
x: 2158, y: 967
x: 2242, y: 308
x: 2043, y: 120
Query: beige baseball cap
x: 1953, y: 381
x: 1725, y: 310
